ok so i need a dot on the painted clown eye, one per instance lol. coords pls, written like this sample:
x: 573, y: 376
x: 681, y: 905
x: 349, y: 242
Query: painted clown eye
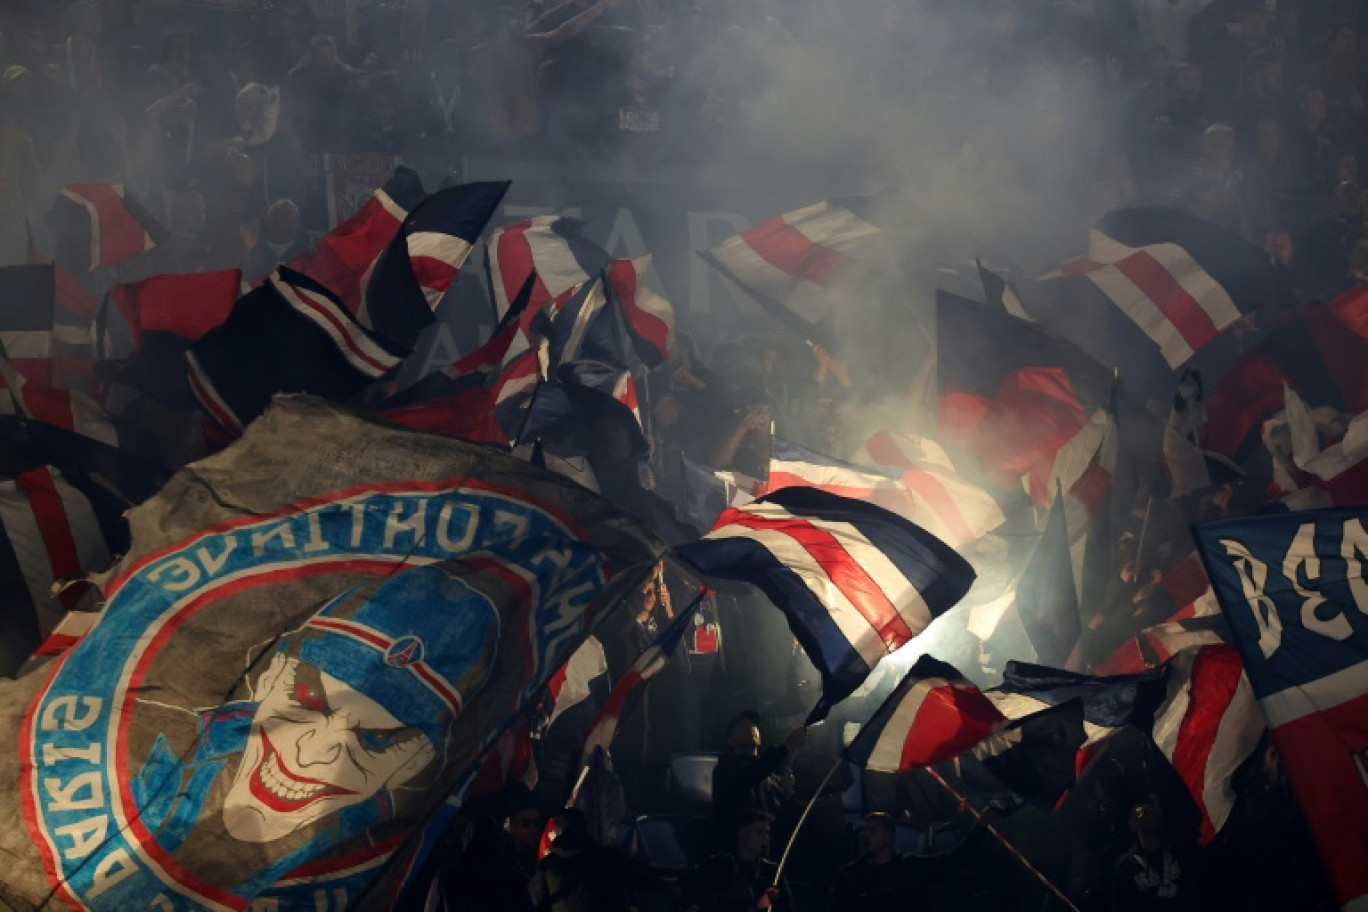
x: 381, y: 739
x: 310, y: 696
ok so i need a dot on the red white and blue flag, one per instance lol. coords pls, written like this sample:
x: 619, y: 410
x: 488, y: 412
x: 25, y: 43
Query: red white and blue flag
x: 792, y: 263
x: 1292, y: 587
x: 648, y: 317
x: 550, y: 248
x: 99, y: 225
x: 934, y: 715
x: 855, y: 581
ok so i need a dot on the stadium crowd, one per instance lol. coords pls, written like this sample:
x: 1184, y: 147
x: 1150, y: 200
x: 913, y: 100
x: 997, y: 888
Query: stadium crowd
x: 1253, y: 115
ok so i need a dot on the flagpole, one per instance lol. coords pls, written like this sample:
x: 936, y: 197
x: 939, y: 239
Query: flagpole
x: 793, y: 837
x: 996, y: 834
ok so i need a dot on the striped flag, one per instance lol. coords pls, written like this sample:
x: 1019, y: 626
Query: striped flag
x: 1030, y: 760
x: 791, y: 263
x: 629, y: 689
x: 343, y: 256
x: 288, y: 334
x: 69, y: 410
x: 550, y: 247
x: 26, y: 320
x: 1207, y: 726
x: 855, y: 581
x: 99, y: 225
x: 934, y: 715
x: 949, y: 507
x: 50, y: 532
x: 648, y: 317
x: 401, y: 289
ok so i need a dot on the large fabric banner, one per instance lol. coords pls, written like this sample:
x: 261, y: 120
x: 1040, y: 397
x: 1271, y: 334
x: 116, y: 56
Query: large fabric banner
x: 314, y: 635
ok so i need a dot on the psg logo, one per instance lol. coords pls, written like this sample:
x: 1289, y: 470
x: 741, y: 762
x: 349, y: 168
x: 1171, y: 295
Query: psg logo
x: 405, y: 651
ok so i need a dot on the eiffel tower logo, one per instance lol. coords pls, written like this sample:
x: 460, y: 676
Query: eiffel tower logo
x: 1361, y: 764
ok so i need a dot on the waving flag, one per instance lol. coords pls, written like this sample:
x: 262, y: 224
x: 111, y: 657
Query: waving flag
x: 69, y: 410
x: 649, y: 318
x: 163, y: 316
x: 272, y: 592
x: 792, y: 263
x: 1109, y: 703
x: 949, y: 507
x: 1046, y: 597
x: 1030, y: 760
x: 1292, y: 587
x: 288, y: 335
x: 1207, y: 726
x: 934, y: 715
x: 99, y: 225
x: 1030, y: 406
x: 551, y: 248
x: 344, y: 256
x: 855, y: 581
x: 631, y: 687
x: 26, y: 321
x: 402, y: 288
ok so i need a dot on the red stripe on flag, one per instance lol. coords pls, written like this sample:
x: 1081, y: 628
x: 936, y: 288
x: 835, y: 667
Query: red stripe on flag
x: 950, y: 721
x: 1215, y: 674
x: 432, y: 273
x: 883, y: 450
x: 622, y: 275
x: 789, y: 250
x: 1180, y: 308
x: 860, y: 589
x: 933, y: 491
x: 53, y: 523
x: 122, y: 237
x: 516, y: 263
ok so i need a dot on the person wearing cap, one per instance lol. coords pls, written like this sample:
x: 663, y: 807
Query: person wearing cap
x: 1148, y: 877
x: 740, y: 879
x: 352, y: 713
x: 749, y: 777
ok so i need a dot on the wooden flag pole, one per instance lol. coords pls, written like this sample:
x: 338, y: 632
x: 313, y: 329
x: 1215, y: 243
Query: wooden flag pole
x: 793, y: 837
x: 994, y: 832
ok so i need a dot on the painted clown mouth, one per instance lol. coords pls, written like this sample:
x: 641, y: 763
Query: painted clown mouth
x: 281, y: 790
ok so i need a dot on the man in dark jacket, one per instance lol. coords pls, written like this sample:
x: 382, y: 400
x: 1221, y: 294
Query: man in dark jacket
x: 1149, y: 877
x: 741, y: 879
x: 880, y: 878
x: 747, y: 777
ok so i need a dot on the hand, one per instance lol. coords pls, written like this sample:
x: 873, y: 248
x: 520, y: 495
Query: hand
x: 757, y: 420
x: 768, y: 899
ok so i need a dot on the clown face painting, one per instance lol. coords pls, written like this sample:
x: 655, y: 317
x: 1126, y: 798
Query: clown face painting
x: 316, y: 746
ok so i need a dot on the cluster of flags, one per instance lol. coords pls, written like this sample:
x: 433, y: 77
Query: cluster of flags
x: 310, y: 565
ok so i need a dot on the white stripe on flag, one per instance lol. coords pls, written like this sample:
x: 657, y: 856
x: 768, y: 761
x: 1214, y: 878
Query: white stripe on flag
x: 26, y: 540
x: 1186, y: 271
x: 863, y: 638
x: 1018, y: 706
x: 1237, y: 735
x: 1136, y: 304
x: 1321, y: 694
x: 886, y: 755
x: 352, y: 342
x: 26, y: 343
x: 444, y: 248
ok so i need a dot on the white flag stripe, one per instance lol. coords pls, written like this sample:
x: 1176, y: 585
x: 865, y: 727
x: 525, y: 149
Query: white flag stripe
x: 91, y: 548
x: 887, y: 751
x: 1169, y: 719
x: 26, y: 540
x: 26, y: 344
x: 444, y: 248
x: 853, y: 626
x: 906, y: 599
x: 586, y: 664
x: 1316, y: 696
x: 1186, y: 271
x: 1136, y: 304
x: 1237, y: 735
x: 833, y: 227
x: 352, y: 341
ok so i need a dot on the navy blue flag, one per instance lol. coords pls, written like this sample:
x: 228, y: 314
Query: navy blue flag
x: 1110, y: 703
x: 1293, y: 588
x: 1031, y: 761
x: 26, y: 320
x: 855, y: 581
x: 600, y: 797
x: 1046, y: 598
x: 290, y: 334
x: 412, y: 273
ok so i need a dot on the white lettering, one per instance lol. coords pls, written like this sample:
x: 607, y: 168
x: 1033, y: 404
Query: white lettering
x: 63, y: 797
x: 516, y: 521
x: 113, y: 868
x: 190, y: 574
x: 65, y: 707
x: 316, y: 540
x: 1354, y: 550
x: 442, y: 352
x: 414, y: 524
x: 358, y: 511
x: 467, y: 537
x: 1253, y: 574
x: 53, y: 754
x: 212, y: 565
x: 86, y: 836
x: 283, y: 532
x: 162, y: 903
x: 625, y: 234
x: 1301, y: 556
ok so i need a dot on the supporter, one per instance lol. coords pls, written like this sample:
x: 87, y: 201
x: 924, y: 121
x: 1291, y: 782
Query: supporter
x: 277, y: 240
x: 1211, y: 186
x: 880, y: 878
x: 1326, y: 243
x: 579, y: 876
x: 1309, y: 147
x: 740, y: 879
x: 315, y: 95
x: 749, y: 777
x: 475, y: 874
x: 1150, y: 877
x: 522, y: 831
